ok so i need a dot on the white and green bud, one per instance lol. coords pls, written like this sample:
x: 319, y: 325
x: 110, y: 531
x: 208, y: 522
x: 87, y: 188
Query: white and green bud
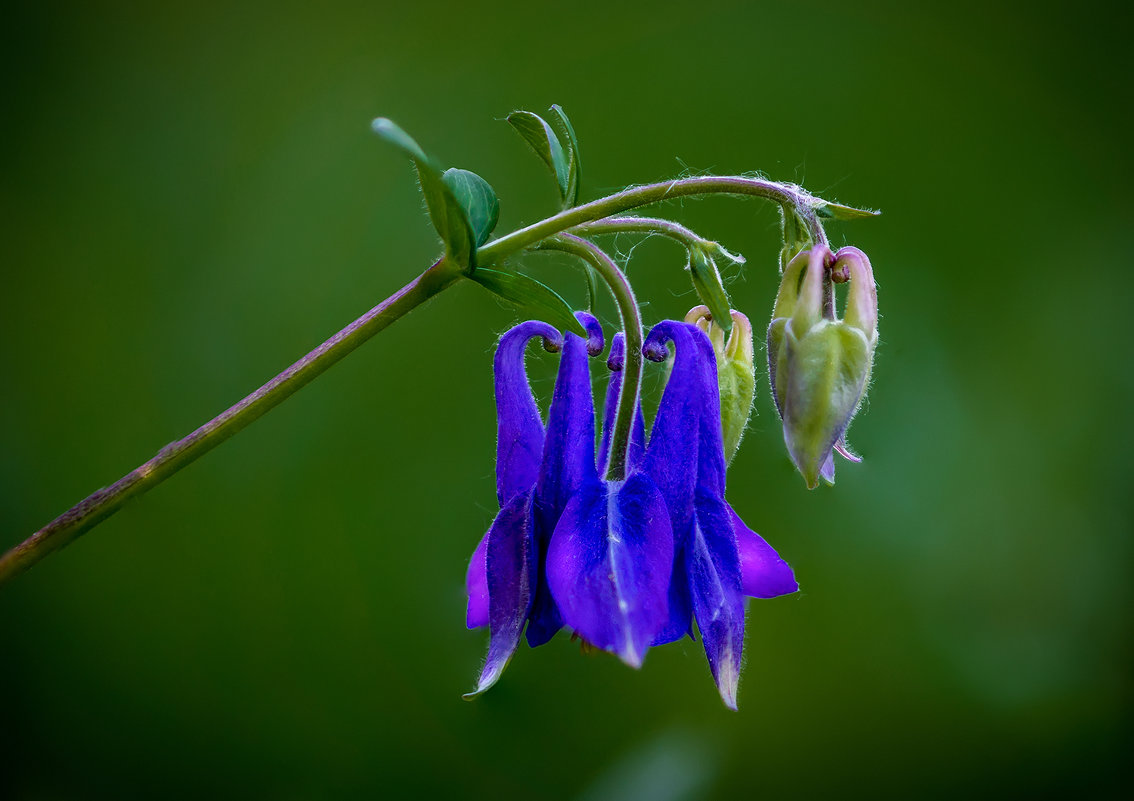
x: 819, y: 365
x: 736, y: 371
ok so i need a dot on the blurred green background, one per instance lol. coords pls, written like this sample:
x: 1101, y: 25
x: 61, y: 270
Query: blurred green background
x: 192, y: 199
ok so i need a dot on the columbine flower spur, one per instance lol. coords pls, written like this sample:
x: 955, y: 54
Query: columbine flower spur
x: 634, y: 544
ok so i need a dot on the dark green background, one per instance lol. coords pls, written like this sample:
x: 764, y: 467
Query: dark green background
x: 192, y: 199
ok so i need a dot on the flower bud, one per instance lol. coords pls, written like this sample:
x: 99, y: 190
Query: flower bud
x: 820, y: 366
x: 736, y: 372
x: 703, y: 257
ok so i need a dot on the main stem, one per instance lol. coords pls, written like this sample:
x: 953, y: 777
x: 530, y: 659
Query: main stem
x: 173, y: 457
x: 81, y: 518
x: 631, y: 326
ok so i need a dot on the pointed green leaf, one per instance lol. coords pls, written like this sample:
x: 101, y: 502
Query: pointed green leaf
x: 477, y: 198
x: 446, y: 213
x: 571, y: 196
x: 837, y: 211
x: 542, y: 139
x: 535, y: 299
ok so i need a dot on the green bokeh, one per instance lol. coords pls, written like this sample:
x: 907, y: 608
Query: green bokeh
x: 192, y: 199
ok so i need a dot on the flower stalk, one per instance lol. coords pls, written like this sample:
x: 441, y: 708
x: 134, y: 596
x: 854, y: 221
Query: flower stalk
x: 443, y: 274
x: 631, y: 326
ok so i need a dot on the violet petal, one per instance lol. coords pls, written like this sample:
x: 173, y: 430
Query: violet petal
x: 714, y: 574
x: 519, y: 429
x: 568, y: 463
x: 510, y: 568
x: 476, y: 585
x: 609, y: 565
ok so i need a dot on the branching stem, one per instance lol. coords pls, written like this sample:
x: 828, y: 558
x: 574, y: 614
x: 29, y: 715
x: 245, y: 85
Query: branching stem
x: 440, y: 276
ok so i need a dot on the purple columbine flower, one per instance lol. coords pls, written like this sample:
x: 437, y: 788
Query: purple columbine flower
x: 625, y: 563
x: 610, y: 556
x: 718, y: 560
x: 503, y: 575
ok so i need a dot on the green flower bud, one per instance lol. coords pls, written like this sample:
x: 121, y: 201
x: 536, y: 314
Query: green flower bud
x: 795, y: 234
x: 707, y: 282
x: 736, y: 372
x: 820, y: 366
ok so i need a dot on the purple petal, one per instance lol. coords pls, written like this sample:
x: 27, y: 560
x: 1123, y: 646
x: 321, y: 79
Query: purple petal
x: 519, y: 429
x: 509, y: 565
x: 476, y: 584
x: 637, y: 447
x: 680, y: 620
x: 671, y: 455
x: 763, y: 573
x: 569, y: 446
x: 568, y: 463
x: 710, y: 448
x: 714, y: 575
x: 609, y: 565
x: 595, y: 339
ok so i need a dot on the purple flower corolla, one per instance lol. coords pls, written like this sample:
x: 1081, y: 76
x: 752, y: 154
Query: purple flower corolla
x: 718, y: 560
x: 611, y: 553
x: 502, y: 578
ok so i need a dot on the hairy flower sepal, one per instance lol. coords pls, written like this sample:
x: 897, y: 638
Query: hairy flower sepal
x: 609, y: 565
x: 819, y: 367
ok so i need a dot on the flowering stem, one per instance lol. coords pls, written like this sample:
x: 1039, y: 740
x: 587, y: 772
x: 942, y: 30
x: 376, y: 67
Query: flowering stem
x: 440, y: 276
x: 631, y: 325
x: 786, y: 194
x: 176, y: 455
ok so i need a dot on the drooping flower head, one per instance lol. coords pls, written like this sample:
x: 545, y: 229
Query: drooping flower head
x: 718, y: 560
x: 503, y: 574
x: 820, y: 365
x: 625, y: 563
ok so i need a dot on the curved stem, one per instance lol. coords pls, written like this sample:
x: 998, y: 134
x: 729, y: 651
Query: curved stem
x: 441, y: 275
x: 641, y: 225
x: 631, y: 325
x: 803, y: 203
x: 176, y: 455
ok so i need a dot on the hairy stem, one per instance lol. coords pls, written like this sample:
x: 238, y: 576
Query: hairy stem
x: 631, y: 325
x: 441, y: 275
x: 636, y: 196
x: 641, y: 225
x: 96, y: 508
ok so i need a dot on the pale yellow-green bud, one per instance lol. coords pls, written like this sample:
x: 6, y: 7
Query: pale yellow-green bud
x: 736, y: 372
x: 819, y: 365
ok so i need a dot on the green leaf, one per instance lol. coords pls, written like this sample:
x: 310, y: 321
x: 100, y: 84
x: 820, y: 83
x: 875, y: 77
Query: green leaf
x: 837, y: 211
x: 535, y: 299
x: 542, y: 139
x: 477, y: 199
x: 571, y: 196
x: 445, y: 211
